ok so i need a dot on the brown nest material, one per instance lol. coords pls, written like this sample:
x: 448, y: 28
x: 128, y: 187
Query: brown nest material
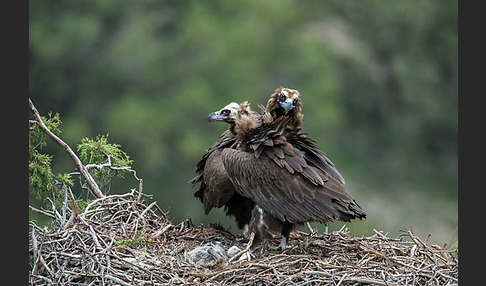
x: 121, y: 240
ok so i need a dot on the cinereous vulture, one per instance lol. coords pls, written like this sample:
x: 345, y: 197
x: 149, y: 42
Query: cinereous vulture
x: 281, y: 170
x: 216, y: 190
x: 284, y: 101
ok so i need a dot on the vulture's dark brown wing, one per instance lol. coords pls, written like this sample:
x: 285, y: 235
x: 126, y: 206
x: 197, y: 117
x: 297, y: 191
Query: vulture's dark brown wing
x: 272, y: 141
x: 293, y: 149
x: 313, y: 155
x: 288, y: 196
x: 225, y: 140
x: 215, y: 189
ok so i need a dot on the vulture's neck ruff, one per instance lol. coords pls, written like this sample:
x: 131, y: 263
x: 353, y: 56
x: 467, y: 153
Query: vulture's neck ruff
x: 246, y: 120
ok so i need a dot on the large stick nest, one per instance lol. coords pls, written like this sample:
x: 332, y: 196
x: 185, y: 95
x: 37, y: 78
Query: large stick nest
x: 121, y: 240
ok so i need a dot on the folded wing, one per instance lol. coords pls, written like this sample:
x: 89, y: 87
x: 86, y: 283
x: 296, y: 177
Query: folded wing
x: 278, y: 178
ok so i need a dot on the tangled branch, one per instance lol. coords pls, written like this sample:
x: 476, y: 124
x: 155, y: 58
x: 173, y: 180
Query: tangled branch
x: 124, y: 240
x: 93, y: 186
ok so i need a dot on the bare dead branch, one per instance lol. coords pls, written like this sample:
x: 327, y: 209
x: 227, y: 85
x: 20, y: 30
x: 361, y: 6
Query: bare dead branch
x: 74, y: 212
x: 95, y: 190
x: 246, y: 250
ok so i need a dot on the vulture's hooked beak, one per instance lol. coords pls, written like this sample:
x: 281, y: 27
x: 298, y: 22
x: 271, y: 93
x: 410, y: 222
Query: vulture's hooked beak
x: 215, y: 117
x: 287, y: 105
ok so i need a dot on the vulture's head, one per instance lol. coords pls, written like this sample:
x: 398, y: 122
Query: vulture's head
x: 285, y: 101
x: 240, y: 117
x: 227, y: 114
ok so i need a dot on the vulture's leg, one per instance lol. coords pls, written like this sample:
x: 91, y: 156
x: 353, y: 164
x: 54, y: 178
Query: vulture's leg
x: 286, y: 229
x: 245, y: 231
x: 309, y: 227
x: 283, y: 243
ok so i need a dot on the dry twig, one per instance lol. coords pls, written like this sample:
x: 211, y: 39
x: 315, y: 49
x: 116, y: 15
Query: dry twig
x: 122, y: 240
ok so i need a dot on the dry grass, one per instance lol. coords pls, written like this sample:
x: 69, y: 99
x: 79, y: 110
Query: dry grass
x: 122, y: 240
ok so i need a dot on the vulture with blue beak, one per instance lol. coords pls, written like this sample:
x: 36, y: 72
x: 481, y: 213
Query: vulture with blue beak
x: 282, y: 171
x: 216, y: 190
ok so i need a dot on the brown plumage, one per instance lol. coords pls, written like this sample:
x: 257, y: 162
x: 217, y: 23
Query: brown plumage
x: 216, y: 189
x: 286, y: 176
x: 285, y: 101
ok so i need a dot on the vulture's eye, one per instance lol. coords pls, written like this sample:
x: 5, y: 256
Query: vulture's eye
x: 225, y: 112
x: 282, y: 97
x: 294, y: 103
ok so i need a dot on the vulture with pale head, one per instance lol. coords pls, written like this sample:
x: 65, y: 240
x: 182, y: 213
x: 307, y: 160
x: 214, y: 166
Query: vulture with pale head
x: 216, y: 190
x: 282, y: 171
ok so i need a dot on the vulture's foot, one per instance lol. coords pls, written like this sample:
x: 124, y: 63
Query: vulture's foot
x: 281, y: 246
x: 283, y: 243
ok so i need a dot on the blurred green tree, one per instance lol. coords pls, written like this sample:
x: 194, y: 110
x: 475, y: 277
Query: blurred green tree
x: 378, y: 83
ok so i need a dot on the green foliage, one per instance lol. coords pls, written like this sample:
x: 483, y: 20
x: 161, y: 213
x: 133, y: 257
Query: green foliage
x: 65, y: 179
x: 109, y: 160
x: 139, y: 239
x: 37, y: 138
x: 41, y: 177
x: 98, y: 151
